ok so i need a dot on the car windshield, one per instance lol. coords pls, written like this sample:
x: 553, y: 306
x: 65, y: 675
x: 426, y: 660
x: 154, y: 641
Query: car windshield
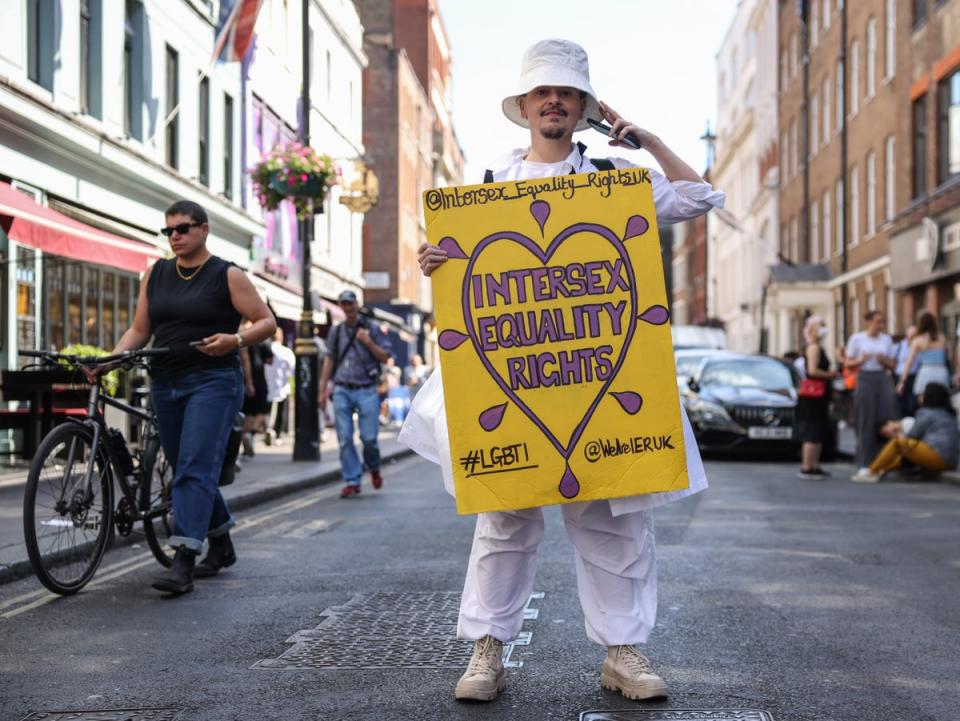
x: 687, y: 364
x: 751, y: 373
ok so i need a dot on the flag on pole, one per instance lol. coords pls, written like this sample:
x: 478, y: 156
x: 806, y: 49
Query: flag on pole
x: 235, y: 36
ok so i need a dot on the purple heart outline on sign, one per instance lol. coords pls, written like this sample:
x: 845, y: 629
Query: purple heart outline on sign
x: 600, y: 364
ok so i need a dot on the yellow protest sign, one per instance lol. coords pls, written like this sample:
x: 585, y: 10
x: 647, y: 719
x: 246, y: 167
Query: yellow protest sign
x: 558, y: 371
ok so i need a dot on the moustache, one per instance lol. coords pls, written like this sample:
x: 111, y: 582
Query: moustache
x: 559, y: 111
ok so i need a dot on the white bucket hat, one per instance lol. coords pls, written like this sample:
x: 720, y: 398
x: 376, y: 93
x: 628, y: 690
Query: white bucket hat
x: 558, y: 63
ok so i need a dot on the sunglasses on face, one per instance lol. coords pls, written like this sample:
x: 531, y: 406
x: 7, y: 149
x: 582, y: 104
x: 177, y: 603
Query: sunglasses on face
x: 181, y: 229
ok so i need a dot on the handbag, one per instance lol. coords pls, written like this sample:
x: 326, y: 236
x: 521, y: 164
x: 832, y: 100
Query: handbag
x: 812, y: 388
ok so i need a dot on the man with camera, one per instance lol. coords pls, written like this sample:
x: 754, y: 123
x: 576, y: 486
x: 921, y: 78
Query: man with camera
x: 355, y: 350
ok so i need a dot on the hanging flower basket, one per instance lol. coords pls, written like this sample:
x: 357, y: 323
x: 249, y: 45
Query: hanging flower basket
x: 296, y: 173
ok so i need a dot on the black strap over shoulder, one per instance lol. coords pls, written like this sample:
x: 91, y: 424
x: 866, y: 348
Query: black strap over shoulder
x: 598, y: 163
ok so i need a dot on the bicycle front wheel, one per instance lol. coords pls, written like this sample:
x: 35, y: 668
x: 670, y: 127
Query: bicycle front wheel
x: 156, y: 500
x: 67, y: 521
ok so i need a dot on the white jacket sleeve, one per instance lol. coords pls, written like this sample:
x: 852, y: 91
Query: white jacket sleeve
x: 680, y: 199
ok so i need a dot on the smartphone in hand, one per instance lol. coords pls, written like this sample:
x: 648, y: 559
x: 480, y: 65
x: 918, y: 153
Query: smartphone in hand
x: 600, y: 127
x: 195, y: 343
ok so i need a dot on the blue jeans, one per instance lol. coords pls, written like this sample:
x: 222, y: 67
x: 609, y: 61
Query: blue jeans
x: 194, y: 414
x: 366, y: 403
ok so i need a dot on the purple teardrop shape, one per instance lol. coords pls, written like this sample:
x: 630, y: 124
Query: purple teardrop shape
x: 630, y: 402
x: 452, y: 247
x: 540, y: 210
x: 450, y: 339
x: 655, y: 315
x: 569, y: 485
x: 636, y: 225
x: 491, y: 417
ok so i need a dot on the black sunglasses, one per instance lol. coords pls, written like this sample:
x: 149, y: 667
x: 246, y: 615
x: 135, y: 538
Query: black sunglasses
x: 181, y: 229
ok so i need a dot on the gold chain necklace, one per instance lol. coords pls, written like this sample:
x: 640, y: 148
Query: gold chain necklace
x: 194, y: 273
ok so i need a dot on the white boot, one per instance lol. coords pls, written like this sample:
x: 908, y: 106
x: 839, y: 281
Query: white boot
x: 628, y: 671
x: 484, y: 677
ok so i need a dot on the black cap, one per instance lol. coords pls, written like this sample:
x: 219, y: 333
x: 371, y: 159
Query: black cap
x: 347, y: 296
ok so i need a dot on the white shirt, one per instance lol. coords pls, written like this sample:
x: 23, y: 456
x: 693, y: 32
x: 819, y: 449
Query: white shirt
x: 279, y: 372
x: 861, y: 344
x: 674, y: 200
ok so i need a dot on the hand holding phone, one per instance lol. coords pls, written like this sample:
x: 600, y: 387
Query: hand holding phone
x: 195, y: 343
x: 600, y: 127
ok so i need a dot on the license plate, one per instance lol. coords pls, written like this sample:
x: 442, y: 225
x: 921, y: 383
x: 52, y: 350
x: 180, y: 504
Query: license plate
x: 770, y: 433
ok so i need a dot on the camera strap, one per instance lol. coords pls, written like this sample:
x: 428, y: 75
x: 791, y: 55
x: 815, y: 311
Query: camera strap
x: 340, y: 356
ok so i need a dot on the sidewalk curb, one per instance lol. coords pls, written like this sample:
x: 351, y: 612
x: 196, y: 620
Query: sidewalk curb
x: 240, y: 502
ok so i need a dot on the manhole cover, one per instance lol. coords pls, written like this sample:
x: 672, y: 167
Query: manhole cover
x: 108, y: 714
x: 388, y: 630
x: 736, y: 714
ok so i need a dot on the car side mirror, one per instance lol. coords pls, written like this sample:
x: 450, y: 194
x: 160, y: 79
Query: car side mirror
x: 693, y: 385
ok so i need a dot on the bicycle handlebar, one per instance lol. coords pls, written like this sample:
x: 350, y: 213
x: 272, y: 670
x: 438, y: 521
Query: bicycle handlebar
x: 127, y: 355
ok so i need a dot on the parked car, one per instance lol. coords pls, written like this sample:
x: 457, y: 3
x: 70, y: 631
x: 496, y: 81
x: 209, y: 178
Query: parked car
x: 688, y: 360
x: 742, y: 402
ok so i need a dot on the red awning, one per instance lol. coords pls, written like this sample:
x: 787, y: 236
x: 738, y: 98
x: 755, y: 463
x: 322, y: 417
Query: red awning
x: 35, y: 226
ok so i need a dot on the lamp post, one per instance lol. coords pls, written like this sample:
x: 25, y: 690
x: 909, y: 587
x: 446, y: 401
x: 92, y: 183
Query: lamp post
x: 306, y: 445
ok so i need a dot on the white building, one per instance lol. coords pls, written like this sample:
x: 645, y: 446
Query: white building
x: 742, y: 239
x: 273, y: 89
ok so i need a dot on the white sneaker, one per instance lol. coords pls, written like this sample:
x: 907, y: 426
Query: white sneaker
x: 865, y: 476
x: 484, y: 677
x: 628, y: 671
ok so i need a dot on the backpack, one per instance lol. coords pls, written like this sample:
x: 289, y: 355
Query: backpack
x: 598, y: 163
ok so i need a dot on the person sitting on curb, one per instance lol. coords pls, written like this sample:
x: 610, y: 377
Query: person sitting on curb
x: 932, y: 442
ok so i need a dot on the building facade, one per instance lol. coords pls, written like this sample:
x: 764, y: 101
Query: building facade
x: 742, y: 237
x: 925, y: 237
x: 689, y: 273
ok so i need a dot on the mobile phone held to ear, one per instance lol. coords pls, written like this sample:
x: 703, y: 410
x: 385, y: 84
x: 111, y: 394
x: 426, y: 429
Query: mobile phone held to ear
x: 629, y: 140
x: 196, y: 343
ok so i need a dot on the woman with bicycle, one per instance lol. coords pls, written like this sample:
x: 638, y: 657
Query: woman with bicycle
x: 193, y: 304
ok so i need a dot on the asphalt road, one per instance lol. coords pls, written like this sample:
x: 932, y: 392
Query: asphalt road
x: 805, y: 599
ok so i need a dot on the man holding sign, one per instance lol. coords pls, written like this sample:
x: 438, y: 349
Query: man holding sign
x: 560, y: 323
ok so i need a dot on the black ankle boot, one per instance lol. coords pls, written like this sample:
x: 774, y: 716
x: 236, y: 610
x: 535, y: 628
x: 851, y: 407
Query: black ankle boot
x: 179, y: 577
x: 219, y: 556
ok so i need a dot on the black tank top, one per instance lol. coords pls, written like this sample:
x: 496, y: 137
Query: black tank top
x: 182, y: 311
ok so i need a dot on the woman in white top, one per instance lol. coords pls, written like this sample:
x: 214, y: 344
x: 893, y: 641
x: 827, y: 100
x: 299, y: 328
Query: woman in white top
x: 871, y: 353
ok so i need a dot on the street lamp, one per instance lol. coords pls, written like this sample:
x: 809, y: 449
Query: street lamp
x: 306, y: 445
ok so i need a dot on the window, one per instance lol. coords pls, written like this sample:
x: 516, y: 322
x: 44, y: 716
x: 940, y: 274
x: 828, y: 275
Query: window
x: 783, y: 240
x: 793, y: 240
x: 783, y: 158
x: 228, y: 146
x: 814, y: 25
x: 814, y: 124
x: 948, y: 126
x: 814, y: 232
x: 871, y: 193
x: 794, y: 152
x: 871, y: 58
x: 173, y: 99
x: 40, y: 42
x: 890, y: 54
x: 890, y: 183
x: 827, y: 220
x: 854, y: 205
x: 329, y: 74
x: 825, y: 15
x: 203, y: 132
x: 841, y: 225
x: 919, y: 146
x: 794, y: 56
x: 133, y: 70
x: 854, y: 77
x: 919, y: 12
x: 783, y: 70
x: 841, y: 113
x: 26, y: 273
x: 826, y: 109
x: 90, y: 24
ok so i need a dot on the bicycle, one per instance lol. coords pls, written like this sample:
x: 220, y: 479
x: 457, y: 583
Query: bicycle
x: 69, y: 516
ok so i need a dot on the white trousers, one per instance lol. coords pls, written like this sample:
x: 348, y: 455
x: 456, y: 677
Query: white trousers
x: 616, y: 572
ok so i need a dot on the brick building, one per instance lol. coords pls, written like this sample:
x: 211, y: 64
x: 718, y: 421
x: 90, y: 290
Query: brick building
x: 689, y: 273
x: 408, y: 133
x: 925, y: 238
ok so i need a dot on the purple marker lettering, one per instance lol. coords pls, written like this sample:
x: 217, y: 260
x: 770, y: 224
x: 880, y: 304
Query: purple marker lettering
x: 617, y: 281
x: 616, y: 315
x: 571, y: 366
x: 477, y: 282
x: 576, y: 280
x: 604, y: 364
x: 557, y: 276
x: 541, y: 290
x: 547, y: 379
x: 497, y: 289
x: 485, y: 329
x: 515, y: 373
x: 594, y: 280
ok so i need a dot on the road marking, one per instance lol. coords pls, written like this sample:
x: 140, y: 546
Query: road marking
x: 121, y: 568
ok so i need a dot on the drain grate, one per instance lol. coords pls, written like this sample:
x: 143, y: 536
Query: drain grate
x: 736, y: 714
x: 108, y: 714
x: 388, y: 630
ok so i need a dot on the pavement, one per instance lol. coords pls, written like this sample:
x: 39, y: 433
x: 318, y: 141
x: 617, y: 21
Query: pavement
x: 807, y: 600
x: 269, y: 474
